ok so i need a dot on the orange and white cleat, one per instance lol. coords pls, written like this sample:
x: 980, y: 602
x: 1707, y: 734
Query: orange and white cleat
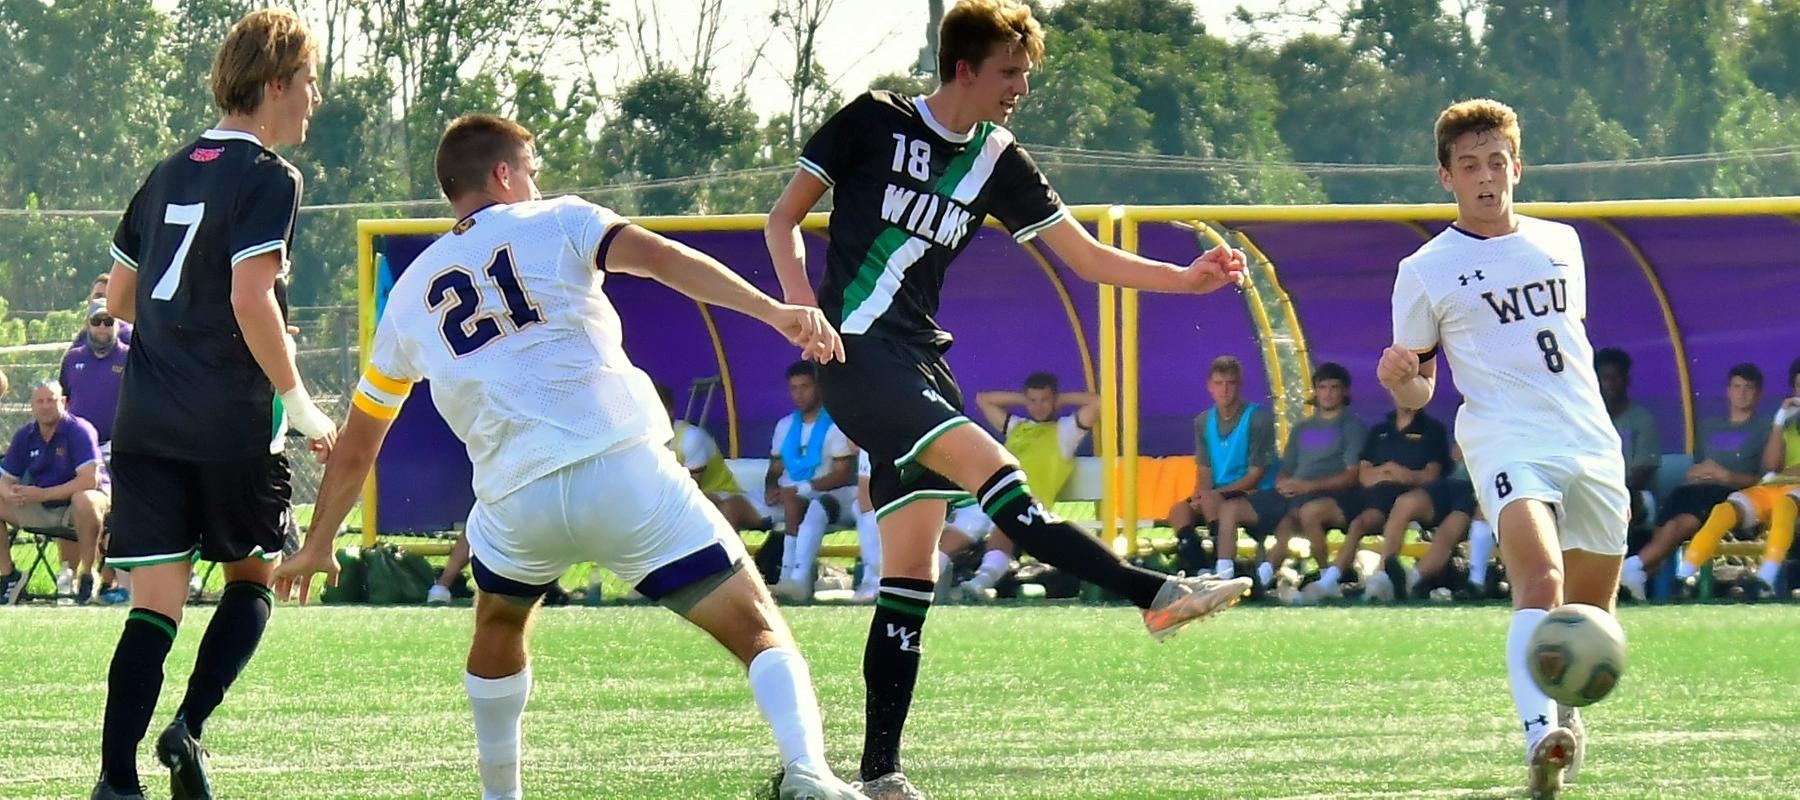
x: 1184, y: 600
x: 1549, y: 758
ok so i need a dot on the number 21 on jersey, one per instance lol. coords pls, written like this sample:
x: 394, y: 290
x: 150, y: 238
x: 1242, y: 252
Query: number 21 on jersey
x: 455, y: 294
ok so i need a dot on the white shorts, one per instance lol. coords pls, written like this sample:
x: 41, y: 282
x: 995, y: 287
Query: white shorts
x: 633, y: 510
x: 972, y: 521
x: 1587, y: 492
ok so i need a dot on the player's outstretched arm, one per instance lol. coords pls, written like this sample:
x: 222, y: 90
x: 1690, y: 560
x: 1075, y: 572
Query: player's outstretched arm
x: 636, y: 251
x: 782, y: 235
x: 1098, y: 263
x: 345, y: 471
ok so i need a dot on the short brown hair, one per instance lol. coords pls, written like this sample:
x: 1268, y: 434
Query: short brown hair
x: 267, y: 45
x: 972, y: 29
x: 472, y: 145
x: 1480, y: 114
x: 1226, y: 365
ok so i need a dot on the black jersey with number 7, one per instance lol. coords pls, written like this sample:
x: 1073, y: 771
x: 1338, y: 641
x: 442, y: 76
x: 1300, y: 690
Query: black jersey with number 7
x: 192, y: 390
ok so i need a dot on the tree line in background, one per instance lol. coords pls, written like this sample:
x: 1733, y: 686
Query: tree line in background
x: 1138, y: 103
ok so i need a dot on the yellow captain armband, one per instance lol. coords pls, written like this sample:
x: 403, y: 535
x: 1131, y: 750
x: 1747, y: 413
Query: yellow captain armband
x: 380, y: 396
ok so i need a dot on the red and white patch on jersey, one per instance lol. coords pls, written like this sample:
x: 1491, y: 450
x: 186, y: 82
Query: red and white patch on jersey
x: 205, y: 154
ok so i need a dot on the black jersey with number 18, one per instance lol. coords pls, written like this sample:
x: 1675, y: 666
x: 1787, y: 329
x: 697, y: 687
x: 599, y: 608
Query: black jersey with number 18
x: 908, y: 195
x: 192, y: 391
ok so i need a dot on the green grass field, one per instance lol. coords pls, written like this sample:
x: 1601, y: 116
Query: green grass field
x: 1017, y: 702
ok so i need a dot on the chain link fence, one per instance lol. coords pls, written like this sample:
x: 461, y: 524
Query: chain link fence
x: 329, y: 361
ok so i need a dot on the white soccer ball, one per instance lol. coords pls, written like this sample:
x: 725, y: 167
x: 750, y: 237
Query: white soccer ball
x: 1577, y: 654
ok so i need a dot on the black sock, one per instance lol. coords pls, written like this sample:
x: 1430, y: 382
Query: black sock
x: 230, y: 640
x: 132, y: 685
x: 1008, y: 502
x: 891, y: 668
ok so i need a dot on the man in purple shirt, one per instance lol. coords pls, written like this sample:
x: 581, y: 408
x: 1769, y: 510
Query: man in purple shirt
x: 92, y: 372
x: 52, y: 477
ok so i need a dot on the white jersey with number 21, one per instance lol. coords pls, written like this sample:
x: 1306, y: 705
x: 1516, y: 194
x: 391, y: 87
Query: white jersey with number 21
x: 1509, y: 313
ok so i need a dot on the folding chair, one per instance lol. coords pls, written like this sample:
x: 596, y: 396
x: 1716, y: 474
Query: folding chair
x: 43, y: 538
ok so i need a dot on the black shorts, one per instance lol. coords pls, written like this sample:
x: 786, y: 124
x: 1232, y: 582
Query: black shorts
x: 1379, y: 498
x: 1449, y: 495
x: 1696, y: 499
x: 166, y: 509
x: 1269, y: 507
x: 893, y: 399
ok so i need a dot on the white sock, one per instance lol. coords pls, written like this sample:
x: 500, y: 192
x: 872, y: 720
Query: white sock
x: 1330, y: 576
x: 807, y: 540
x: 1226, y: 569
x: 994, y: 564
x: 783, y: 690
x: 1481, y: 551
x: 1634, y: 566
x: 1412, y: 579
x: 1265, y: 573
x: 1769, y: 571
x: 868, y: 537
x: 1684, y: 570
x: 498, y: 704
x: 943, y: 564
x: 1537, y: 711
x: 789, y: 554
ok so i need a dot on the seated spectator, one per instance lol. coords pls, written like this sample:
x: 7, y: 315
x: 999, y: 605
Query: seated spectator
x: 1234, y: 448
x: 1445, y: 509
x: 1638, y: 436
x: 52, y: 477
x: 1771, y: 505
x: 1044, y: 442
x: 1318, y: 464
x: 811, y: 482
x: 1407, y: 450
x: 699, y: 454
x: 97, y: 299
x: 92, y: 373
x: 1728, y: 456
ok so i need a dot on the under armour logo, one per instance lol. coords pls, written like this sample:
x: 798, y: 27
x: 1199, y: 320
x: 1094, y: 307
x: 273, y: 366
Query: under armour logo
x: 908, y: 638
x: 1476, y: 277
x: 1541, y: 720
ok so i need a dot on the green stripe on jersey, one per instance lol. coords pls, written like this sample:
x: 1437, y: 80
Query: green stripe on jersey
x: 881, y: 251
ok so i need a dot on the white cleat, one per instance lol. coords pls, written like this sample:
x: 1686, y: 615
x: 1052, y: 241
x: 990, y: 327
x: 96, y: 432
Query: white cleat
x: 792, y: 591
x: 437, y: 595
x: 974, y: 591
x: 801, y: 783
x: 1570, y: 717
x: 1549, y: 760
x: 1183, y: 600
x: 892, y: 786
x: 1378, y: 589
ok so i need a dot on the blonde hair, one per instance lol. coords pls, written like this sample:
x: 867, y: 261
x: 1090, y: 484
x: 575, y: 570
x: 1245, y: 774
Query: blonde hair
x: 267, y: 45
x: 972, y: 29
x: 1480, y: 114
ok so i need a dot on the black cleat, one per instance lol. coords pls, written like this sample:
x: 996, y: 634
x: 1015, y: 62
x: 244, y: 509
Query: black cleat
x: 186, y: 760
x: 105, y: 791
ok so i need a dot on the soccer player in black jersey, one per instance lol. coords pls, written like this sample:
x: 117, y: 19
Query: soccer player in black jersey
x: 200, y: 267
x: 912, y: 180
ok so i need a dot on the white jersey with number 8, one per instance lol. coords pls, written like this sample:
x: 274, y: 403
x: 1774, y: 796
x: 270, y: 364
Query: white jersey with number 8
x: 1509, y: 312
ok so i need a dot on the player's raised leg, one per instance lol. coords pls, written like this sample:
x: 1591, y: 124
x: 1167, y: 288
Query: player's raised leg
x: 231, y: 639
x: 971, y: 459
x: 1534, y: 562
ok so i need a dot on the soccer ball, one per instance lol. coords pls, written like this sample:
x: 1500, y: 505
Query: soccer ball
x: 1577, y: 654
